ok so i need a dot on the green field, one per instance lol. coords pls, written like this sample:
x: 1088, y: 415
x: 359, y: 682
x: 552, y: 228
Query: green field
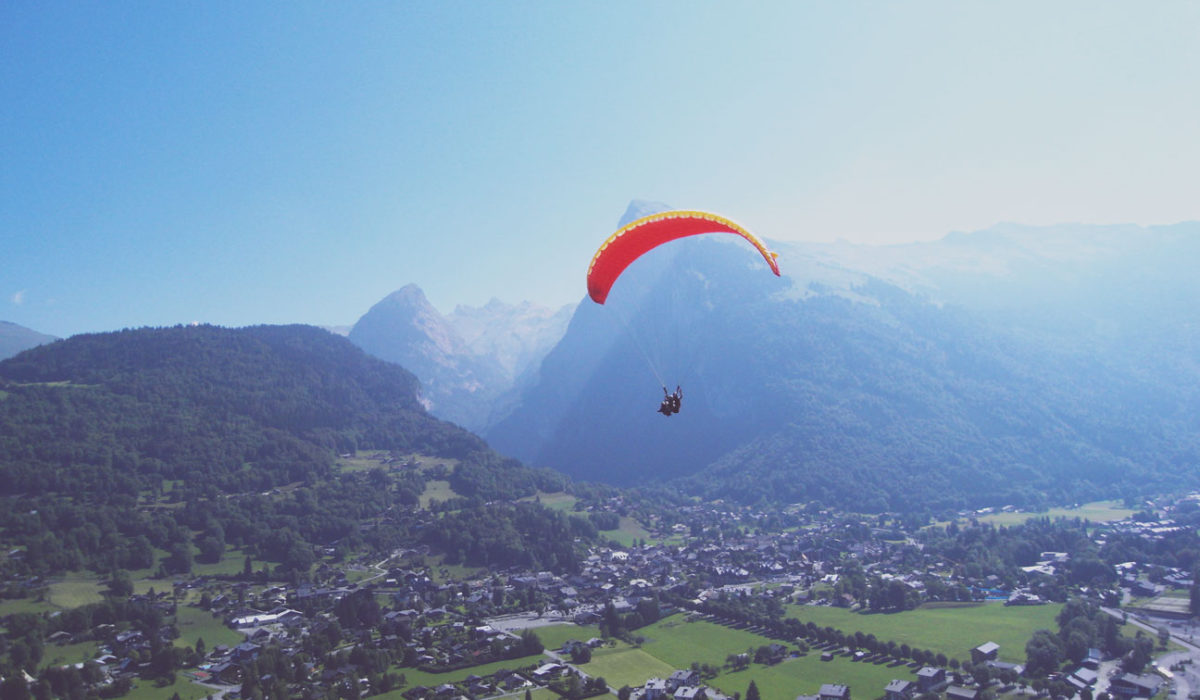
x: 626, y: 666
x: 806, y: 674
x: 674, y: 644
x: 195, y: 623
x: 628, y: 531
x: 952, y: 631
x: 147, y: 690
x: 55, y: 655
x: 1098, y: 512
x: 415, y: 677
x: 75, y: 591
x: 553, y: 636
x: 556, y: 501
x: 436, y: 489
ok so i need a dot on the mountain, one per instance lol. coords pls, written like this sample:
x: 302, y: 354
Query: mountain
x: 1014, y: 365
x: 14, y: 339
x: 466, y: 361
x: 116, y: 443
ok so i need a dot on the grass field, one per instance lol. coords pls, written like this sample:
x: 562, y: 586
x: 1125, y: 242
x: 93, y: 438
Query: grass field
x: 953, y: 631
x: 146, y: 690
x: 436, y: 489
x: 75, y: 591
x: 11, y: 606
x: 196, y: 623
x: 674, y: 644
x: 553, y: 636
x: 628, y: 531
x: 1097, y: 512
x: 626, y: 666
x: 55, y: 655
x: 556, y: 501
x: 806, y: 674
x: 416, y: 677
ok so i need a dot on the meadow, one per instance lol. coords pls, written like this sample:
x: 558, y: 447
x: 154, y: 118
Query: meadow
x: 195, y: 623
x: 675, y: 643
x: 1096, y: 512
x: 950, y: 630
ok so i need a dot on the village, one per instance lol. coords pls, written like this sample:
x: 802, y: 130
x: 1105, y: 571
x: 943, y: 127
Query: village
x: 384, y: 627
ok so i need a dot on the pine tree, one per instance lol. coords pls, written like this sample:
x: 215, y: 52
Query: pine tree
x: 752, y: 692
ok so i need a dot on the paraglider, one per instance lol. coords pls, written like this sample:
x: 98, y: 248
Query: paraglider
x: 639, y: 237
x: 630, y: 242
x: 671, y: 403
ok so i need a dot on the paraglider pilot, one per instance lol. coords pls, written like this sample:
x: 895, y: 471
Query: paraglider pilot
x: 671, y: 402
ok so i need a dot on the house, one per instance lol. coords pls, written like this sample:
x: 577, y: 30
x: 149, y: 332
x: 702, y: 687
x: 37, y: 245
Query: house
x: 834, y: 691
x: 227, y: 673
x: 682, y: 678
x: 899, y: 690
x: 689, y: 692
x: 1130, y: 685
x: 655, y: 689
x: 930, y: 679
x: 988, y: 651
x: 956, y: 692
x: 546, y: 672
x: 1086, y: 676
x: 60, y: 637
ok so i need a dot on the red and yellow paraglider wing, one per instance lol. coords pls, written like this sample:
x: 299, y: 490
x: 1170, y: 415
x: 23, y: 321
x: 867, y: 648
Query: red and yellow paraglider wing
x: 638, y: 237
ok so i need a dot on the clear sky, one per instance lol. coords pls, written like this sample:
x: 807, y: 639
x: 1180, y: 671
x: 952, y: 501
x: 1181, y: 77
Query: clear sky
x: 270, y: 162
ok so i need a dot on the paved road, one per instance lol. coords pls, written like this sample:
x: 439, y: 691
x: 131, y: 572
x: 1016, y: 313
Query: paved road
x: 1185, y: 683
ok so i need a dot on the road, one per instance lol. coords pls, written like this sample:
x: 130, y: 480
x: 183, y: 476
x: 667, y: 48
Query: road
x: 1186, y: 682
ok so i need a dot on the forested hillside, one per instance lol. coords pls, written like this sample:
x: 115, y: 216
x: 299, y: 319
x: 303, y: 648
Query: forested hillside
x: 114, y: 445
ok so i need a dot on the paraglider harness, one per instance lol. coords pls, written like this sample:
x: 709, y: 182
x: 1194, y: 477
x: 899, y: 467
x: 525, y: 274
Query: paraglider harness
x: 671, y: 402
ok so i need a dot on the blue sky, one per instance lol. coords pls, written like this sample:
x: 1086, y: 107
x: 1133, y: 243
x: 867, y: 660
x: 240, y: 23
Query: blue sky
x: 238, y: 163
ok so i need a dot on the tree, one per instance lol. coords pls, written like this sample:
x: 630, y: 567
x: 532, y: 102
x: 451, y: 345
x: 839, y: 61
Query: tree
x: 752, y: 692
x: 581, y: 654
x: 121, y: 584
x: 1042, y: 653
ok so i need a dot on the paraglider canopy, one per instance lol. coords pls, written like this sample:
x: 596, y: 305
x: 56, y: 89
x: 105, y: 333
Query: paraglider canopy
x: 640, y: 236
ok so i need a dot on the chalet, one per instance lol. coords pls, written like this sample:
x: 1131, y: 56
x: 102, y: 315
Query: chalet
x: 546, y: 672
x: 655, y: 689
x: 930, y: 679
x: 899, y: 690
x: 689, y: 692
x: 227, y: 673
x: 245, y: 651
x: 956, y: 692
x: 679, y: 679
x: 60, y: 637
x: 1129, y: 685
x: 834, y: 691
x: 988, y: 651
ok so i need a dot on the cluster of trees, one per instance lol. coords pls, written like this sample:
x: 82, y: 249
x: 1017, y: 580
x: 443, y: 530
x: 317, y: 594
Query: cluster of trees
x: 1082, y: 625
x: 522, y: 534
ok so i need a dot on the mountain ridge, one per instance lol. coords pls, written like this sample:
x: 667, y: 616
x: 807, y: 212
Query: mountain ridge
x: 842, y: 380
